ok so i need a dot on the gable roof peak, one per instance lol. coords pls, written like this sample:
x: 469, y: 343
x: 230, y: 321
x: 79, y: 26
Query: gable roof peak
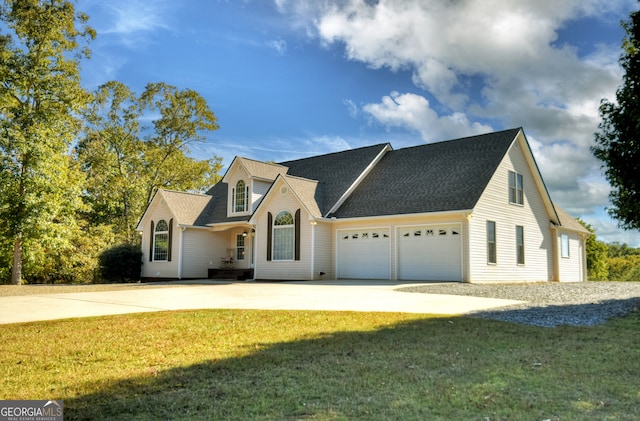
x: 256, y: 169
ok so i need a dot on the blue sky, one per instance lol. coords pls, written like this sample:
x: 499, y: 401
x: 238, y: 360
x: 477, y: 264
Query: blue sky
x: 289, y: 79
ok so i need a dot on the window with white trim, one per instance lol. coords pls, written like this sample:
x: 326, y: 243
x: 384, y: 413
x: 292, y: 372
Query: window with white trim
x: 491, y: 243
x: 240, y: 246
x: 283, y: 236
x: 240, y: 196
x: 516, y: 188
x: 161, y: 242
x: 564, y: 240
x: 520, y: 244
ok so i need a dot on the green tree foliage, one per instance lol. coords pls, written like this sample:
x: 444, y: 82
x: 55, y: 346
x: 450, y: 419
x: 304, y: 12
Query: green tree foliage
x: 617, y: 140
x: 623, y: 263
x: 184, y: 118
x: 40, y: 97
x: 111, y: 155
x: 126, y: 163
x: 597, y: 256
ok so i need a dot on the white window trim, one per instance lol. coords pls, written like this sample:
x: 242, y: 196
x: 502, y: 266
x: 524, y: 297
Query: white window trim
x: 565, y: 248
x: 234, y: 198
x: 521, y: 227
x: 519, y: 188
x: 495, y: 243
x: 243, y: 247
x: 277, y: 228
x: 155, y: 234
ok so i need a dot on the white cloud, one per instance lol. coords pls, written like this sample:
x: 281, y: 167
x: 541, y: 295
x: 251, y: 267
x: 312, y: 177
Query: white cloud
x: 351, y: 107
x: 129, y: 21
x: 136, y: 16
x: 414, y: 112
x: 278, y: 45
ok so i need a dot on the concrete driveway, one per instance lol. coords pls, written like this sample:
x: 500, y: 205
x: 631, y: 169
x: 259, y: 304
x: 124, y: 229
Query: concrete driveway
x: 336, y: 295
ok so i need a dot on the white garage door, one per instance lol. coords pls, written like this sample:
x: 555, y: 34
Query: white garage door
x: 430, y: 253
x: 364, y: 254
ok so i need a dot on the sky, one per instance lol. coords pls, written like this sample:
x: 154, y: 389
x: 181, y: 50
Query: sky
x: 289, y: 79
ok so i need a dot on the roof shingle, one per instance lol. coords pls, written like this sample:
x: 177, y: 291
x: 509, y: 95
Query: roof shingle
x: 435, y: 177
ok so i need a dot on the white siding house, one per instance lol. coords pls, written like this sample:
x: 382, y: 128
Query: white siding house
x: 467, y: 210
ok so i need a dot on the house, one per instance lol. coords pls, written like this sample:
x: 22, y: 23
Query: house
x: 469, y: 210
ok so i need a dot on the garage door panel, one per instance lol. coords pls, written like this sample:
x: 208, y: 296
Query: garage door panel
x: 430, y: 253
x: 364, y: 254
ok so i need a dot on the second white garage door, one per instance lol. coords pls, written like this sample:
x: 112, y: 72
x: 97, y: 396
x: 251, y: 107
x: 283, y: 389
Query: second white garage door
x: 364, y: 254
x: 430, y: 253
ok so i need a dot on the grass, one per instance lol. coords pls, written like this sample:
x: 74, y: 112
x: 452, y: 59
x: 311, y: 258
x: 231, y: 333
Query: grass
x: 304, y: 365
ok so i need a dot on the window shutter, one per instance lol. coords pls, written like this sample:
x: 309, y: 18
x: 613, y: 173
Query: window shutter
x: 269, y: 234
x: 297, y: 235
x: 233, y: 199
x: 246, y: 198
x: 170, y: 239
x: 296, y: 240
x: 152, y: 239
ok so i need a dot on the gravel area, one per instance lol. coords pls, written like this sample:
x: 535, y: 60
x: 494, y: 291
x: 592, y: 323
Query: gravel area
x: 549, y: 304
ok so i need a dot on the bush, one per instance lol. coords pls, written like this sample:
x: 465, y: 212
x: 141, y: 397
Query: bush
x: 121, y: 264
x: 624, y: 268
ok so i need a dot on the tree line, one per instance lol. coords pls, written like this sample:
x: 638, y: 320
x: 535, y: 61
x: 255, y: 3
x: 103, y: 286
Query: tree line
x: 78, y: 168
x: 612, y: 262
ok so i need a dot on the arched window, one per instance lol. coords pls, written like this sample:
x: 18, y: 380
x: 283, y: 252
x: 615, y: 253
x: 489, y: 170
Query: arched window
x: 161, y: 242
x: 283, y: 236
x: 240, y: 197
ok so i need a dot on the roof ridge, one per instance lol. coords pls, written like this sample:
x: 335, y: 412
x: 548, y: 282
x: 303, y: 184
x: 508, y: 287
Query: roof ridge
x: 311, y: 180
x: 260, y: 162
x: 184, y: 192
x: 440, y: 142
x: 337, y: 152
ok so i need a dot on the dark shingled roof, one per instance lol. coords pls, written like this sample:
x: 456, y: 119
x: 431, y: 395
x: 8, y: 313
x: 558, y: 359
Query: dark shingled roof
x: 436, y: 177
x: 216, y: 210
x: 335, y: 172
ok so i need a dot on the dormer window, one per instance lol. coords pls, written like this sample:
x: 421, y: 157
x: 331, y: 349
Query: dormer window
x: 240, y: 197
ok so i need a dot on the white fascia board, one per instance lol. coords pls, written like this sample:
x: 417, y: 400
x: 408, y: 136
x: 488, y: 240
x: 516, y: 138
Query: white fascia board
x: 459, y: 213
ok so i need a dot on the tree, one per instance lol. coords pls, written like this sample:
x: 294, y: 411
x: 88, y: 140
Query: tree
x: 184, y: 116
x: 110, y: 154
x: 617, y: 139
x: 597, y: 257
x: 126, y: 163
x: 40, y: 96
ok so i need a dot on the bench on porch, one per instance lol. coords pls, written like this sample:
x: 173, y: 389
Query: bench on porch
x: 229, y: 273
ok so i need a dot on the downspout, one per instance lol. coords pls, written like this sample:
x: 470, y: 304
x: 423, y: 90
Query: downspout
x: 254, y: 244
x: 585, y: 274
x: 555, y: 277
x: 466, y: 249
x: 313, y: 249
x: 180, y: 254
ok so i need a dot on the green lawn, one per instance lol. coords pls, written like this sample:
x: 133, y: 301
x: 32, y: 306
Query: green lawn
x: 291, y: 365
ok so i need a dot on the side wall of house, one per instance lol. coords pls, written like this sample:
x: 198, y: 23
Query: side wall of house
x: 151, y: 269
x: 571, y: 268
x: 258, y: 190
x: 324, y: 252
x: 532, y: 216
x: 201, y: 250
x: 285, y: 269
